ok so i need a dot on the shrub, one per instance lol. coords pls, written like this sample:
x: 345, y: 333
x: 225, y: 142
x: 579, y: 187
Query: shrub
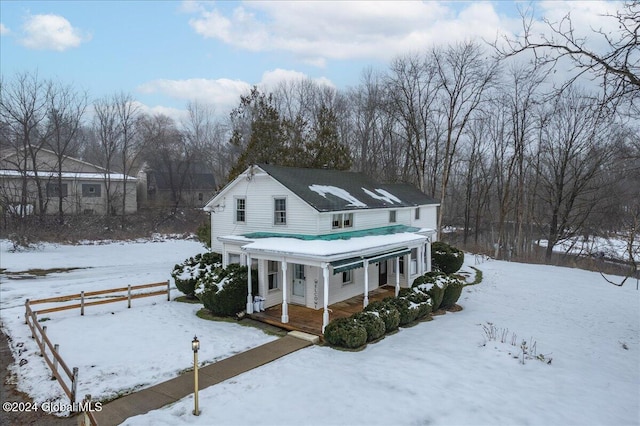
x: 388, y: 314
x: 196, y: 271
x: 432, y: 284
x: 446, y: 258
x: 372, y: 323
x: 452, y: 293
x: 228, y: 294
x: 420, y: 301
x: 408, y: 313
x: 345, y: 332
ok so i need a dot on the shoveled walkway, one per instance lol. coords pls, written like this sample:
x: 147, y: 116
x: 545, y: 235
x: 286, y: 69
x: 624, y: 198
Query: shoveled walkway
x: 145, y: 400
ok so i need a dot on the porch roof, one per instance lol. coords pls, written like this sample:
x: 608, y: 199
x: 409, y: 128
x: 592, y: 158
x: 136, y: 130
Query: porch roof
x: 370, y: 245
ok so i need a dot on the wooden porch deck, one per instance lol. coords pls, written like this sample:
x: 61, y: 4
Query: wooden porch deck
x: 309, y: 320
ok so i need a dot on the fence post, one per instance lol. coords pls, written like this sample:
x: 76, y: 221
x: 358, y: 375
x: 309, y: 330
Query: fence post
x: 26, y: 305
x: 168, y: 290
x: 129, y: 297
x: 56, y: 348
x: 74, y: 385
x: 82, y: 303
x: 34, y: 319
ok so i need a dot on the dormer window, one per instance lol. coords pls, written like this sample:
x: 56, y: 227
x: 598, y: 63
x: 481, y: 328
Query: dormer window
x: 392, y: 216
x: 342, y: 220
x: 417, y: 214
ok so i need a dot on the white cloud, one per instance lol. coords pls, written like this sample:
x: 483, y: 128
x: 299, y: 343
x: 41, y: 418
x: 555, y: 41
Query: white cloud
x: 4, y: 30
x: 270, y: 79
x: 51, y: 32
x: 317, y: 31
x: 221, y: 92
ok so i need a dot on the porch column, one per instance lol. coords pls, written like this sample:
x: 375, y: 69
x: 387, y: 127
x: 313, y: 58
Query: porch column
x: 325, y: 314
x: 428, y: 247
x: 419, y: 262
x: 285, y: 307
x: 249, y: 295
x: 365, y: 300
x: 397, y: 276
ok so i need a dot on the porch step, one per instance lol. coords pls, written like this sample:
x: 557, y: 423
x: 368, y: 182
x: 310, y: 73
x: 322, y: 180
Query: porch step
x: 305, y: 336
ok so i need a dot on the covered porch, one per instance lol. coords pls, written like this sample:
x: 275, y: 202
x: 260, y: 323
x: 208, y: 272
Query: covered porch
x: 309, y: 320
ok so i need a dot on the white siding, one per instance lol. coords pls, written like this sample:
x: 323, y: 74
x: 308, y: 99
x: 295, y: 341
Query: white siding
x: 260, y: 193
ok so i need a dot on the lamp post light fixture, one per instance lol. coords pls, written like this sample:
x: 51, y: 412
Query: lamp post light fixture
x: 195, y: 345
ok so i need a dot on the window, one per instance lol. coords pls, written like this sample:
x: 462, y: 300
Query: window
x: 347, y: 277
x: 91, y: 189
x: 280, y: 211
x: 414, y: 261
x: 234, y: 258
x: 417, y: 215
x: 241, y: 210
x: 200, y: 196
x: 342, y: 220
x: 392, y: 216
x: 272, y: 273
x: 401, y: 263
x: 53, y: 190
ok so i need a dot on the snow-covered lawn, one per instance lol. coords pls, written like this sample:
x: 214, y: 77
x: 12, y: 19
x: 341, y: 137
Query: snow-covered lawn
x: 440, y: 372
x: 116, y: 349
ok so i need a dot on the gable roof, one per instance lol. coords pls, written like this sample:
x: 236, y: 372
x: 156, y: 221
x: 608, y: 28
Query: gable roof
x: 335, y: 190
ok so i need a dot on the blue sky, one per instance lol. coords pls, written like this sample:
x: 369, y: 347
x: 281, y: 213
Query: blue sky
x: 166, y: 53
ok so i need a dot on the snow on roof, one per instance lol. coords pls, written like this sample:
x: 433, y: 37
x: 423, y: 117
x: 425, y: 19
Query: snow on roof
x: 329, y: 250
x: 323, y: 190
x: 67, y: 175
x: 384, y: 196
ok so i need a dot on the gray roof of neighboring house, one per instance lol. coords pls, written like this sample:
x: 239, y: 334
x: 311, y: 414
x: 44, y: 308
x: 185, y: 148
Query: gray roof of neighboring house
x: 335, y: 190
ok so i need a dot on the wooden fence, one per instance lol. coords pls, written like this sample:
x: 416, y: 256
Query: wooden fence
x: 66, y: 377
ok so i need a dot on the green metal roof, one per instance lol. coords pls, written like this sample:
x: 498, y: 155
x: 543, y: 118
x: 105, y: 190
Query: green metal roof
x: 385, y: 230
x: 358, y: 262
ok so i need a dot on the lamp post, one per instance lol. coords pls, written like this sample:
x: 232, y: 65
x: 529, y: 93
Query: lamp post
x: 195, y: 345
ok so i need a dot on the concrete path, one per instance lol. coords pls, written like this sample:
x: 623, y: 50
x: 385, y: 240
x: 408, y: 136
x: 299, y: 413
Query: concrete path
x: 145, y: 400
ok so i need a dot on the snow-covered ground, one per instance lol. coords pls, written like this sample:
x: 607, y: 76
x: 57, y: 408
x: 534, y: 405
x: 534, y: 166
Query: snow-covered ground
x: 446, y: 371
x: 611, y: 248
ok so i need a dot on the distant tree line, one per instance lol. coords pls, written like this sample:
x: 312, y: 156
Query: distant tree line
x: 510, y: 156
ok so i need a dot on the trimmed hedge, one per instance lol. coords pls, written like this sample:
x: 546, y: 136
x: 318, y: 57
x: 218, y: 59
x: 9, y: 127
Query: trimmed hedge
x: 420, y: 301
x: 451, y: 293
x: 345, y: 332
x: 434, y: 285
x: 372, y: 323
x: 387, y: 313
x: 408, y: 313
x: 196, y: 271
x: 446, y: 258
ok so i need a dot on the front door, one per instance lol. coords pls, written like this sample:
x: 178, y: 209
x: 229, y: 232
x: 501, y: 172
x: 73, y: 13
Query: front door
x: 382, y: 273
x: 299, y: 285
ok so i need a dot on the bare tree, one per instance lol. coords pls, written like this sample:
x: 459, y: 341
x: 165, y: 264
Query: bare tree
x: 617, y: 66
x: 465, y: 75
x: 23, y: 108
x: 573, y: 146
x: 130, y: 144
x: 107, y: 128
x: 66, y: 108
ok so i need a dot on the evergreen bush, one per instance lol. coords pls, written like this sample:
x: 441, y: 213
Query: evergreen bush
x: 420, y: 301
x: 227, y: 296
x: 408, y: 313
x: 346, y: 333
x: 452, y: 293
x: 372, y: 323
x: 434, y: 285
x: 196, y: 271
x: 388, y: 314
x: 446, y: 258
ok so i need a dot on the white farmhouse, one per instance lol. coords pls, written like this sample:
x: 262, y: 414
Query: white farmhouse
x: 318, y: 236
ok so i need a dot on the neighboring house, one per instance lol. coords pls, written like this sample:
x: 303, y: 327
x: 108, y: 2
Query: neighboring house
x: 187, y: 184
x: 84, y: 185
x: 318, y: 236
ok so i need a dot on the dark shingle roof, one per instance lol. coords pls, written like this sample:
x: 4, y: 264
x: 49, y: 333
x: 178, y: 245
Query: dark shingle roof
x: 365, y: 192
